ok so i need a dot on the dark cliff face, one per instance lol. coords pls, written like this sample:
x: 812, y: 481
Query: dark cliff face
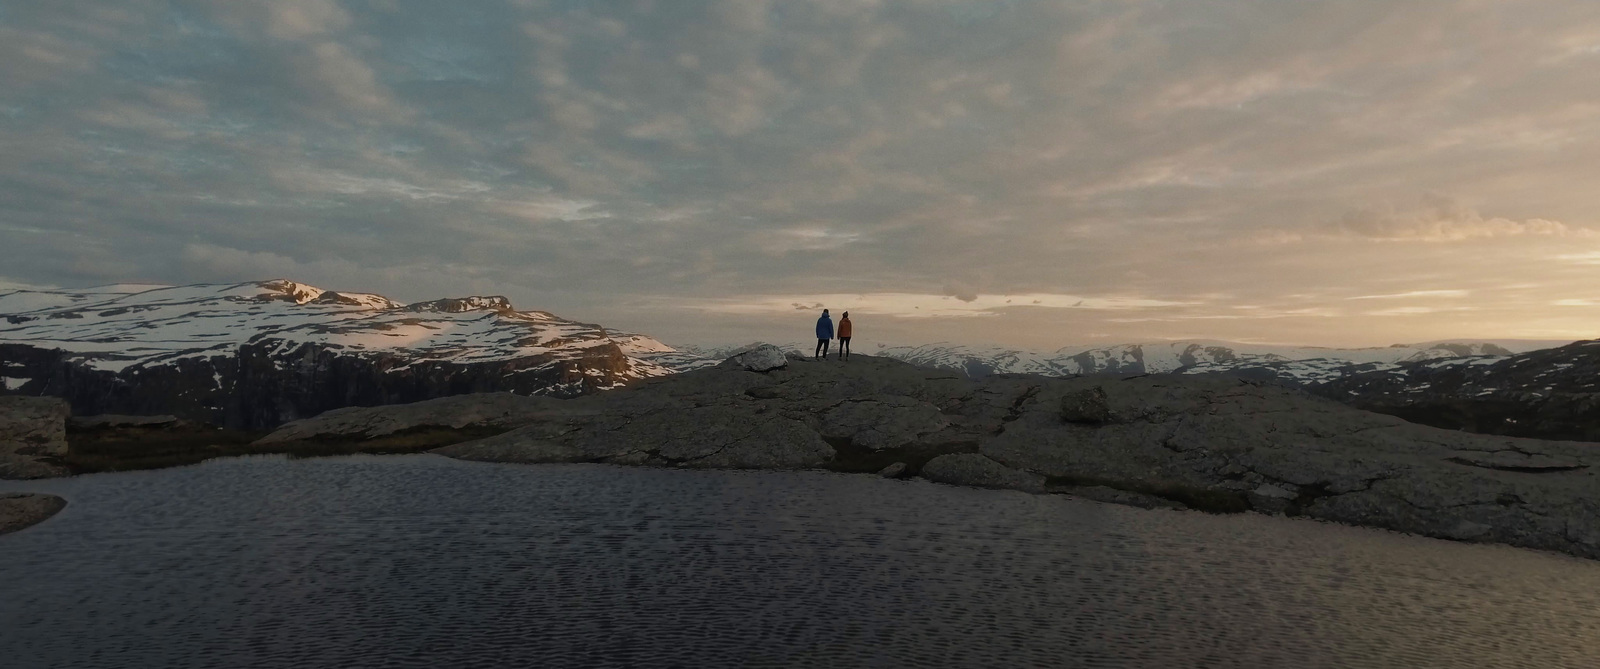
x: 263, y: 384
x: 1548, y: 394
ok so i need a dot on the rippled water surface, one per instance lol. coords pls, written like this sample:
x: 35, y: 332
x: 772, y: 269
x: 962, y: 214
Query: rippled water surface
x: 422, y: 561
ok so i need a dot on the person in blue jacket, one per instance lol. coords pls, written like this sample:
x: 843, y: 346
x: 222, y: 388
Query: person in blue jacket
x: 824, y: 335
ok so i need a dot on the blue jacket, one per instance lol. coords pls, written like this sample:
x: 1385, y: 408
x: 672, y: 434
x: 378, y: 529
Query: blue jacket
x: 824, y: 328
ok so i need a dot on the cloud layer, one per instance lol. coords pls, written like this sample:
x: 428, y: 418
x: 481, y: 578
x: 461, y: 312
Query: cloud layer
x: 1221, y: 168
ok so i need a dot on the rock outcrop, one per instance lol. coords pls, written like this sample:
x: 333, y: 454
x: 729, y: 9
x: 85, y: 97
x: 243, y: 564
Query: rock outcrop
x: 761, y: 358
x: 33, y: 437
x: 1217, y: 444
x: 487, y: 411
x: 22, y: 510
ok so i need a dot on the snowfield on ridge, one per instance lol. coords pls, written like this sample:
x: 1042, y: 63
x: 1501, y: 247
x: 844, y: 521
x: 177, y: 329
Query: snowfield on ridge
x: 113, y: 328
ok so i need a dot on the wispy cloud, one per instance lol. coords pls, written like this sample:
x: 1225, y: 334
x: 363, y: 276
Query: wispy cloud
x: 914, y: 305
x: 1415, y: 294
x: 1417, y: 311
x: 1585, y: 258
x: 1443, y: 219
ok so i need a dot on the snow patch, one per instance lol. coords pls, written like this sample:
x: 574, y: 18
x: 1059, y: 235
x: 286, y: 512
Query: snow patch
x: 122, y: 329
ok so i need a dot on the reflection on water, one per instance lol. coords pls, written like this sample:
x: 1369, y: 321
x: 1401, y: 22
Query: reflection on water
x: 422, y: 561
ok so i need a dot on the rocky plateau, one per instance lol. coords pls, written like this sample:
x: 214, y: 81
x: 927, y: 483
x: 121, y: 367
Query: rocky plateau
x: 1206, y: 442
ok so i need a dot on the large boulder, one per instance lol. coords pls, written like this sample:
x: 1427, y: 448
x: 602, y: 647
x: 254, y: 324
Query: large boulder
x: 33, y: 436
x: 1088, y: 406
x: 762, y: 358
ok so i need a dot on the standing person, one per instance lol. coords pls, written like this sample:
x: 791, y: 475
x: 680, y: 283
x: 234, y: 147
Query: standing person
x: 844, y: 336
x: 824, y: 335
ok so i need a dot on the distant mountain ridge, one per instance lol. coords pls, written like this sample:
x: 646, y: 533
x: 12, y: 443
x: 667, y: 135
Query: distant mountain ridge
x: 256, y: 354
x: 1546, y: 394
x: 1300, y: 365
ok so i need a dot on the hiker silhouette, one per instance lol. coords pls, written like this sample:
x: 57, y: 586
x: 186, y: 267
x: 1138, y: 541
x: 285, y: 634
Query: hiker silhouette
x: 844, y: 336
x: 824, y: 335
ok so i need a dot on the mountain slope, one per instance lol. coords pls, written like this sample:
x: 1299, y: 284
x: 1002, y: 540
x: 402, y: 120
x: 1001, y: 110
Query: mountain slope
x: 1548, y: 394
x: 254, y: 355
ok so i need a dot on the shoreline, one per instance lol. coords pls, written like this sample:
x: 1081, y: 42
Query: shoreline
x: 1110, y: 496
x: 22, y: 510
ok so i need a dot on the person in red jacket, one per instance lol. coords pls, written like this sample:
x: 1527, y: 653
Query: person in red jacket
x: 844, y: 336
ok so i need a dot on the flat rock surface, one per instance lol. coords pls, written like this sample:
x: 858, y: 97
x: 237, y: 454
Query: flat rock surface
x: 21, y: 510
x: 33, y: 432
x: 491, y: 410
x: 1213, y: 443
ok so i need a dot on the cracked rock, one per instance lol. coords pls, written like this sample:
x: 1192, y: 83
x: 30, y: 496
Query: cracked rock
x: 1088, y: 406
x: 1100, y: 493
x: 882, y: 422
x: 978, y: 471
x: 485, y: 410
x: 763, y: 358
x: 1211, y: 443
x: 33, y: 431
x: 1271, y: 498
x: 21, y: 510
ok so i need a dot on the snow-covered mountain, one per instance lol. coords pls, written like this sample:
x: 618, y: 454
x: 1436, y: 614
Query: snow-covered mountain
x: 1301, y: 365
x: 257, y: 354
x: 1546, y: 394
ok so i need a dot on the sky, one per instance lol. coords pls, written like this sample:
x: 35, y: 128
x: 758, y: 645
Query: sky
x: 1032, y: 174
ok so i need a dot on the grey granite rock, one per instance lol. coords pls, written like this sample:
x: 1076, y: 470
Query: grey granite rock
x: 1100, y: 493
x: 762, y: 358
x: 33, y: 431
x: 1222, y: 444
x: 486, y: 410
x: 893, y: 471
x: 1215, y: 444
x: 976, y: 470
x: 22, y: 510
x: 881, y: 421
x: 1088, y: 405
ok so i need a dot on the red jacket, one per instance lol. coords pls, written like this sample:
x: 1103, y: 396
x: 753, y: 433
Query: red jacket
x: 844, y: 327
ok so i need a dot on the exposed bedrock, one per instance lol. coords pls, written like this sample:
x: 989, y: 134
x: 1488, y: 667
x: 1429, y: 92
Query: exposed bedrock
x: 1210, y: 443
x: 22, y: 510
x: 33, y: 437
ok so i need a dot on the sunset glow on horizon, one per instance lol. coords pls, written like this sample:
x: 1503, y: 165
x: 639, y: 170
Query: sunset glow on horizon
x: 1029, y: 174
